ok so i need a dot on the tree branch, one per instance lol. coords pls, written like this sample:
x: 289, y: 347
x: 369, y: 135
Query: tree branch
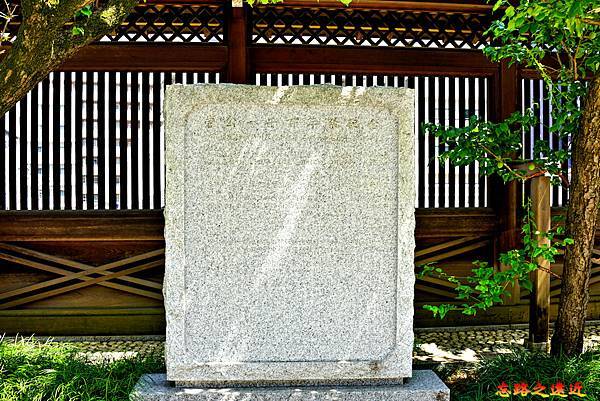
x: 43, y: 43
x: 106, y: 19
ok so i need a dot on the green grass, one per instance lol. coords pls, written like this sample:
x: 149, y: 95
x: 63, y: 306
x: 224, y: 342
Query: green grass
x: 36, y: 371
x: 481, y: 383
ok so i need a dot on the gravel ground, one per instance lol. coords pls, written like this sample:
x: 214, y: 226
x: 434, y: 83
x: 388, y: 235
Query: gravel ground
x: 432, y: 346
x: 471, y: 344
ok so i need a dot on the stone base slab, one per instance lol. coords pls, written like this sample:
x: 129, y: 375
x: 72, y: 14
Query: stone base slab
x: 423, y: 386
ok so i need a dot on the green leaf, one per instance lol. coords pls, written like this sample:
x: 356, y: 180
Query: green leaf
x: 76, y: 31
x: 84, y: 12
x: 497, y: 5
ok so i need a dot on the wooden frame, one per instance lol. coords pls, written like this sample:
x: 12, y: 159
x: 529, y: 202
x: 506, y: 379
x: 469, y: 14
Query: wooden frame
x: 99, y: 272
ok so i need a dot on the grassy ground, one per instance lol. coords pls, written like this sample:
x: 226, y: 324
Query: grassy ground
x: 33, y: 371
x: 38, y: 371
x: 480, y: 382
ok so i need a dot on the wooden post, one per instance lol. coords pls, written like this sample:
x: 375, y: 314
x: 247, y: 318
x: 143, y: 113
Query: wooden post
x: 237, y: 49
x: 504, y: 198
x: 539, y: 304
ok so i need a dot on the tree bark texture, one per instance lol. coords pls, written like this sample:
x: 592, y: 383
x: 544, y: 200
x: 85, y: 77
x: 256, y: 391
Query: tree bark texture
x: 582, y: 216
x: 43, y: 42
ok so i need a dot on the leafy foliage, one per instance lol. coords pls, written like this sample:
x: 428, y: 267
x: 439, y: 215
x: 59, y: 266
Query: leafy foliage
x: 8, y: 12
x: 486, y: 286
x: 492, y: 144
x: 538, y: 33
x: 31, y: 370
x: 522, y: 366
x: 81, y: 16
x: 561, y: 40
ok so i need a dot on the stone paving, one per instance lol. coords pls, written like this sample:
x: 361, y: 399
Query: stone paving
x: 432, y: 346
x: 471, y: 344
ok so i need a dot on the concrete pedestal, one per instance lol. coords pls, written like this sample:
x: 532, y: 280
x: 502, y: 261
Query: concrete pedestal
x: 423, y: 386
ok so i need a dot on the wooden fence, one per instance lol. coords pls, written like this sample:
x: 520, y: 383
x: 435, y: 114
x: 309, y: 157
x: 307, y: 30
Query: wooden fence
x: 81, y: 244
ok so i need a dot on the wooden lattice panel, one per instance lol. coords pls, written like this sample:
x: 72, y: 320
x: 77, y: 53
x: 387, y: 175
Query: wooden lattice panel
x: 201, y: 23
x: 173, y: 23
x: 462, y: 249
x: 72, y: 275
x: 594, y: 284
x: 346, y: 26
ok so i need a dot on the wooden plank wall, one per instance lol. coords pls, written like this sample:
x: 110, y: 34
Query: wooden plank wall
x: 100, y: 272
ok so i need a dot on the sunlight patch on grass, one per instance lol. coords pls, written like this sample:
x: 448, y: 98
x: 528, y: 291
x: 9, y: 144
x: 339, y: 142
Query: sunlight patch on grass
x: 34, y: 371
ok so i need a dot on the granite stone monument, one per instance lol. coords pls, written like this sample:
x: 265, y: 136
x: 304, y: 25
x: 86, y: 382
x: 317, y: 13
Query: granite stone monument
x: 289, y: 228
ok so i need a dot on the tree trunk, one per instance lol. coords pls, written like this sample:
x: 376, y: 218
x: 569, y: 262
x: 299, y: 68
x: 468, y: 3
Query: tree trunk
x: 27, y: 62
x: 582, y: 215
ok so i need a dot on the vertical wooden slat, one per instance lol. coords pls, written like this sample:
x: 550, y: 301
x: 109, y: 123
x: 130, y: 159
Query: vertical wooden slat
x: 56, y: 163
x: 23, y: 120
x: 46, y: 143
x: 421, y: 157
x: 528, y: 103
x: 123, y: 141
x: 537, y: 131
x: 112, y: 140
x: 483, y: 113
x: 2, y: 162
x: 432, y: 161
x: 156, y: 161
x: 67, y: 139
x: 12, y: 158
x: 89, y: 139
x: 462, y: 107
x: 471, y: 169
x: 545, y: 113
x: 78, y: 140
x: 101, y: 108
x: 134, y: 141
x: 145, y: 140
x: 442, y: 120
x: 168, y: 79
x: 551, y: 138
x: 33, y: 148
x: 452, y: 119
x: 564, y: 145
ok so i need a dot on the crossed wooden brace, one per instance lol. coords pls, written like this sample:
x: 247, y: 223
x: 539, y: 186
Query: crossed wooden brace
x: 443, y: 251
x: 83, y: 275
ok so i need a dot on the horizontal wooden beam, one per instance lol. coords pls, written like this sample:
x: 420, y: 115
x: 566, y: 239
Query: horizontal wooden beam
x: 369, y: 60
x: 455, y: 222
x: 83, y: 321
x: 148, y: 225
x: 148, y: 57
x: 81, y: 225
x: 281, y: 59
x: 461, y: 6
x: 466, y: 6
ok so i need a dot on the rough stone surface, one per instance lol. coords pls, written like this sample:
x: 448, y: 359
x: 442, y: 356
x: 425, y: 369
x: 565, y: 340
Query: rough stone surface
x: 289, y: 227
x: 424, y: 386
